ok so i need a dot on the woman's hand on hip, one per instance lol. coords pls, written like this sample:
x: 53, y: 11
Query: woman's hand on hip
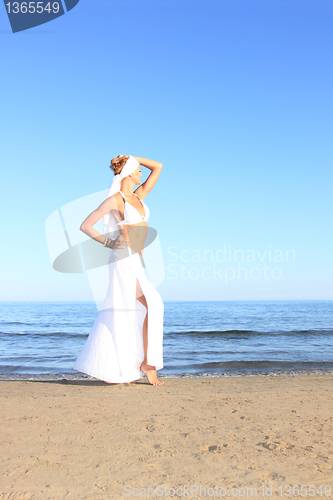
x: 120, y: 242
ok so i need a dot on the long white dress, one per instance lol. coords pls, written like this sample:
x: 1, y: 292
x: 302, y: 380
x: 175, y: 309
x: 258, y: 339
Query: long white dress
x: 114, y: 349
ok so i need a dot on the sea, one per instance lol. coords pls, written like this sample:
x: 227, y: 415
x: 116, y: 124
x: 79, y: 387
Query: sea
x: 41, y: 340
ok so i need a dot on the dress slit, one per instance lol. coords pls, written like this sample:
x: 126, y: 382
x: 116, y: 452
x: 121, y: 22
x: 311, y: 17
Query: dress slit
x: 155, y: 307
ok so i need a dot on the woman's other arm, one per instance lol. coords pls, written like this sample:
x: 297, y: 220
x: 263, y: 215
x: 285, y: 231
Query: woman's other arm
x: 109, y: 205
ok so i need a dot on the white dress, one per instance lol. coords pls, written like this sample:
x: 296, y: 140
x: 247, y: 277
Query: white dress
x: 114, y: 349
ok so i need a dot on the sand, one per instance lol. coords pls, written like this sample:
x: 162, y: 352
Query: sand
x: 89, y: 440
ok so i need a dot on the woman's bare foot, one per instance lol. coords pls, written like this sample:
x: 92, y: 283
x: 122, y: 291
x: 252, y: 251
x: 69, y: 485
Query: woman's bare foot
x: 150, y: 373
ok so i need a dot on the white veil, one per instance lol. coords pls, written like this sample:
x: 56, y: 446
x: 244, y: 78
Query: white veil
x: 110, y: 226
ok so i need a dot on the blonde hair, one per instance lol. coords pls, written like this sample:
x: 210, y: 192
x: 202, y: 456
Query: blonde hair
x: 118, y: 163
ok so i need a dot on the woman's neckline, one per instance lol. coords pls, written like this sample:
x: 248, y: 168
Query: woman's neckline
x: 144, y: 209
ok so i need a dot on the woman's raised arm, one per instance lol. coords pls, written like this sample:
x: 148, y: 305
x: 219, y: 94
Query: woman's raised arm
x: 156, y: 169
x: 151, y: 164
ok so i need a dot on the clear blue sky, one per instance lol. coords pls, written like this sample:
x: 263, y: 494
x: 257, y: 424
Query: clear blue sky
x: 233, y: 97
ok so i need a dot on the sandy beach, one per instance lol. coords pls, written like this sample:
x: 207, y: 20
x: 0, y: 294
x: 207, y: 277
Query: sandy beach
x: 89, y: 440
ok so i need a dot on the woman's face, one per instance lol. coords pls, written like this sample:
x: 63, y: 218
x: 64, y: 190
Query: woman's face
x: 136, y: 175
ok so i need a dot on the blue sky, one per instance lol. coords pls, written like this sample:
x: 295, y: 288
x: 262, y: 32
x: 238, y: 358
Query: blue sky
x: 234, y: 98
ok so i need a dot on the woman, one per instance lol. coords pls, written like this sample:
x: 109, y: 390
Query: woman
x: 126, y: 340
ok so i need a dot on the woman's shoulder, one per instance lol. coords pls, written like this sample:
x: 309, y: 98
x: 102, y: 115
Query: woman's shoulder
x: 116, y: 197
x: 114, y: 203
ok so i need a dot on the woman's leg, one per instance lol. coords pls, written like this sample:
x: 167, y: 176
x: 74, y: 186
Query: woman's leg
x: 148, y: 370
